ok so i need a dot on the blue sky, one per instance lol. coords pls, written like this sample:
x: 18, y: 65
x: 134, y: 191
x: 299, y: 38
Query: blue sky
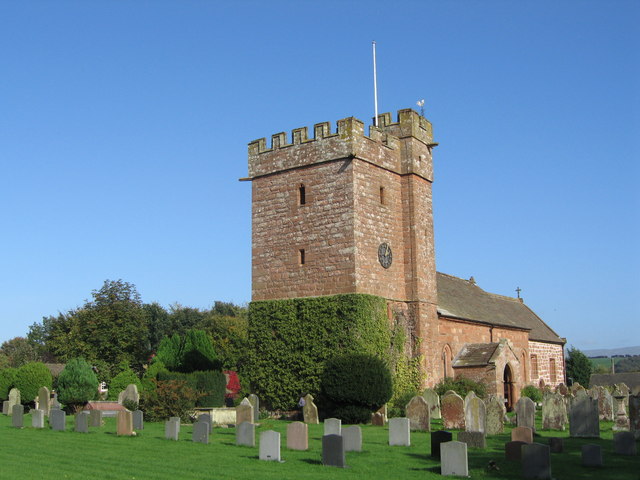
x: 124, y: 128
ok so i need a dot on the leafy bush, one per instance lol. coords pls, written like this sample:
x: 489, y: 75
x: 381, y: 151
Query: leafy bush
x: 532, y: 392
x: 7, y: 381
x: 399, y: 402
x: 193, y: 352
x: 156, y: 368
x: 461, y: 386
x: 77, y: 384
x: 354, y: 384
x: 121, y: 381
x: 170, y: 398
x: 30, y: 378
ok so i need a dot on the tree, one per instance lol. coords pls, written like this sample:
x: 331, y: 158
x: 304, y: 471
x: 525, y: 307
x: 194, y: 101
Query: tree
x: 7, y: 381
x: 579, y: 367
x: 19, y: 351
x: 228, y: 331
x: 77, y: 384
x: 189, y: 353
x: 158, y: 323
x: 30, y: 378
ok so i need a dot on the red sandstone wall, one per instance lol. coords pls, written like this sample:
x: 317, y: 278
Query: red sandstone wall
x: 544, y: 352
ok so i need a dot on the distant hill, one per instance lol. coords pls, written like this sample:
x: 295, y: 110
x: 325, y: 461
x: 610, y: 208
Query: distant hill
x: 607, y: 352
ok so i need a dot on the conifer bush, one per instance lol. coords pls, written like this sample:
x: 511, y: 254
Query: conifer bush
x: 7, y: 381
x: 77, y: 384
x: 30, y: 378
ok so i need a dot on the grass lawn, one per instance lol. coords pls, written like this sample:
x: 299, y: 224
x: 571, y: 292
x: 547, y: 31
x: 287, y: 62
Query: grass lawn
x: 42, y: 454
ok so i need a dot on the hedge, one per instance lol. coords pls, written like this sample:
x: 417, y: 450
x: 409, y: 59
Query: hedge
x: 30, y: 378
x: 210, y: 385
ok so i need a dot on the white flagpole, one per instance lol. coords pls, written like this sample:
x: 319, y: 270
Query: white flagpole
x: 375, y: 86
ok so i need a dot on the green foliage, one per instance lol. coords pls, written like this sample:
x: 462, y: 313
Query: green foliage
x: 7, y: 381
x: 189, y: 353
x: 30, y: 378
x: 628, y: 364
x: 121, y: 381
x: 156, y: 368
x: 578, y: 367
x: 290, y: 340
x: 19, y: 351
x: 534, y: 393
x: 229, y: 335
x: 158, y: 324
x: 170, y: 398
x: 77, y: 383
x: 461, y: 386
x: 211, y: 386
x: 396, y: 407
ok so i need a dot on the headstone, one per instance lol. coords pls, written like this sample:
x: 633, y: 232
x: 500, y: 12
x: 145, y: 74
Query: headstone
x: 522, y: 434
x: 622, y: 420
x: 95, y: 418
x: 624, y: 443
x: 556, y: 444
x: 310, y: 411
x: 383, y: 411
x: 562, y: 389
x: 205, y: 417
x: 634, y: 415
x: 244, y: 412
x: 44, y: 400
x: 452, y: 409
x: 554, y: 412
x: 333, y: 451
x: 473, y: 439
x: 200, y: 433
x: 172, y: 428
x: 417, y: 411
x: 297, y: 436
x: 57, y: 419
x: 591, y: 455
x: 605, y: 404
x: 495, y: 416
x: 129, y: 395
x: 583, y: 417
x: 270, y: 446
x: 14, y: 399
x: 438, y: 438
x: 17, y: 414
x: 255, y: 403
x: 475, y: 415
x: 5, y: 407
x: 138, y: 420
x: 575, y: 388
x: 470, y: 394
x: 332, y: 426
x: 37, y: 418
x: 399, y: 432
x: 81, y: 420
x: 124, y: 423
x: 624, y: 390
x: 246, y: 434
x: 433, y: 400
x: 526, y: 413
x: 352, y: 438
x: 513, y: 450
x: 377, y: 419
x: 536, y: 461
x: 453, y: 459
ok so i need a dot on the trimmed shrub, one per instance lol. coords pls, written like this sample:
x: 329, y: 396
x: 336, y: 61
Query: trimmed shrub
x: 190, y: 380
x: 461, y: 386
x: 212, y: 386
x: 170, y: 398
x: 7, y: 381
x: 121, y: 381
x: 77, y: 384
x: 532, y: 392
x: 30, y: 378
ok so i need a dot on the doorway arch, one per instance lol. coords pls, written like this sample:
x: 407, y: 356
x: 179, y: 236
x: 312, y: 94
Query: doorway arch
x: 508, y: 387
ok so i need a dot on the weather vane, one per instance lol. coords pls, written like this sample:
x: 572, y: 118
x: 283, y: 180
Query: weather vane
x: 420, y: 103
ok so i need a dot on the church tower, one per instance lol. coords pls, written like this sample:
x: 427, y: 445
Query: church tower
x: 346, y: 212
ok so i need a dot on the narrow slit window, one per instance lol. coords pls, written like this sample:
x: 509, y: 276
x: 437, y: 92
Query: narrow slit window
x: 552, y: 370
x: 301, y: 257
x: 302, y: 195
x: 534, y: 367
x: 381, y: 195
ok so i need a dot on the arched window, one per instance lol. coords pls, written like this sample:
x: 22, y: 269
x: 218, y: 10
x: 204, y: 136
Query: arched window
x: 447, y: 358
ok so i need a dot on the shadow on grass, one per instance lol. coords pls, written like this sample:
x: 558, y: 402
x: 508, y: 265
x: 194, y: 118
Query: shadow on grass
x: 311, y: 461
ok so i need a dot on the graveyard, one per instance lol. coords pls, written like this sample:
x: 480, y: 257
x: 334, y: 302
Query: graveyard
x: 29, y: 452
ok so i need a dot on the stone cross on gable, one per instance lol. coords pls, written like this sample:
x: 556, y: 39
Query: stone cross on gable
x: 518, y: 290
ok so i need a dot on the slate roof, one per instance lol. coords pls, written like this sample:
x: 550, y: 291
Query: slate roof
x: 475, y: 355
x: 463, y: 299
x: 631, y: 379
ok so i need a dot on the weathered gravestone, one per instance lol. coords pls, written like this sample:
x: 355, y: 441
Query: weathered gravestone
x: 556, y: 444
x: 44, y: 400
x: 399, y: 432
x: 554, y: 412
x: 5, y: 407
x: 591, y: 455
x: 583, y: 417
x: 622, y: 420
x: 246, y: 434
x: 333, y: 426
x: 473, y: 439
x: 17, y: 414
x: 37, y: 418
x: 172, y: 428
x: 124, y: 423
x: 200, y: 433
x: 14, y: 399
x: 624, y: 443
x: 417, y: 411
x: 475, y: 415
x: 310, y: 411
x: 562, y: 389
x: 95, y: 418
x: 526, y: 413
x: 495, y: 416
x: 270, y: 446
x: 433, y: 400
x: 452, y: 409
x: 624, y: 390
x: 129, y: 396
x: 513, y: 450
x: 297, y: 436
x: 536, y: 461
x: 634, y: 415
x: 453, y: 459
x: 255, y: 403
x: 57, y: 419
x: 81, y: 422
x: 352, y: 438
x: 522, y: 434
x: 138, y: 420
x: 333, y: 454
x: 605, y: 403
x: 377, y: 419
x: 438, y: 438
x: 470, y: 394
x: 244, y: 412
